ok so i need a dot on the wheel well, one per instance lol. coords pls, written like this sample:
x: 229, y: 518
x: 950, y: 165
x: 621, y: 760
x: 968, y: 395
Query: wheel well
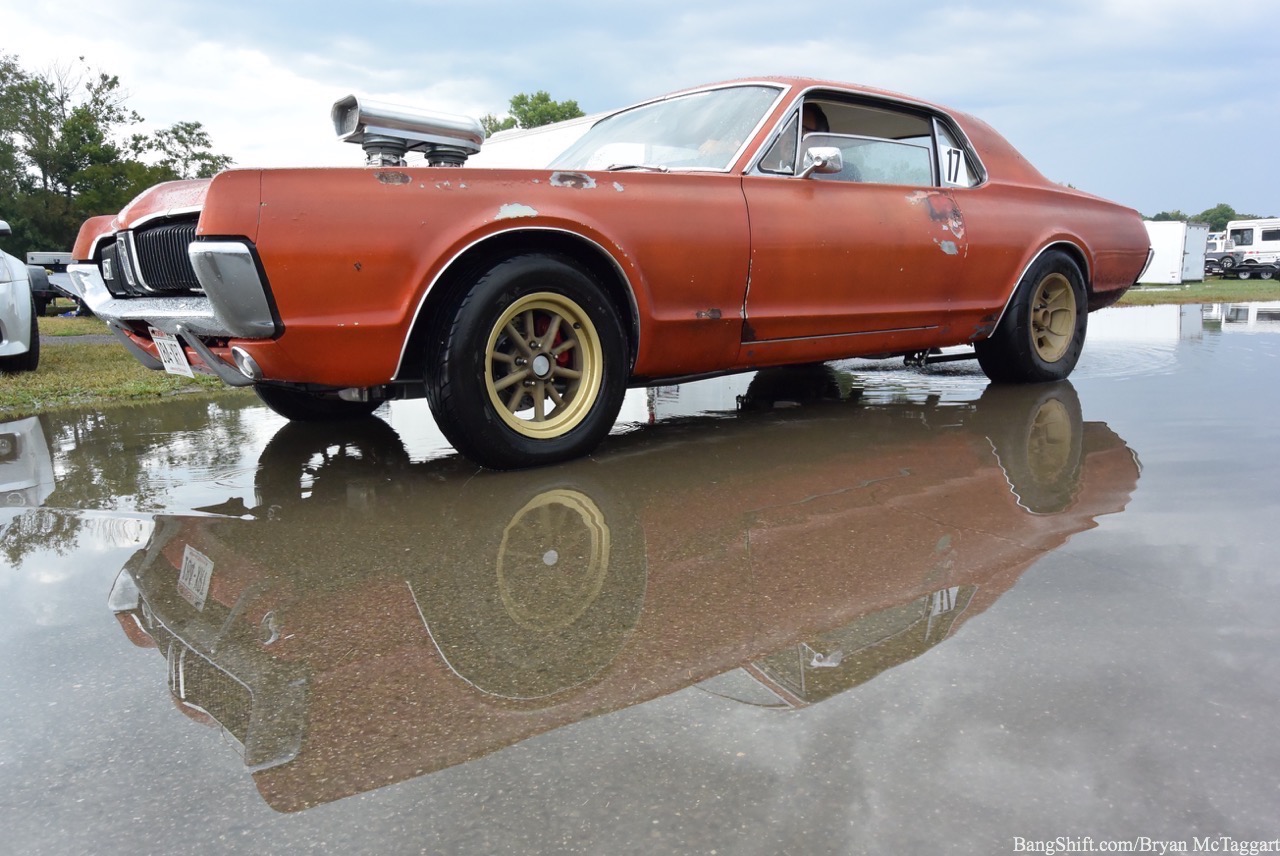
x: 464, y: 270
x: 1077, y: 255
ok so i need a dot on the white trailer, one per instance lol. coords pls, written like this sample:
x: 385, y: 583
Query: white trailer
x: 1178, y: 250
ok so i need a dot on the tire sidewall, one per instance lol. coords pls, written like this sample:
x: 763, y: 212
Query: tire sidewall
x: 1010, y: 354
x: 467, y: 415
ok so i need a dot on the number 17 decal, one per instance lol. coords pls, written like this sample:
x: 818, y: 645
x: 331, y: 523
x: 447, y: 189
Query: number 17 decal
x: 955, y: 167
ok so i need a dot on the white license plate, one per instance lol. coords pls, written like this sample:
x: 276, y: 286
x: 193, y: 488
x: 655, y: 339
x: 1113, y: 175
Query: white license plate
x: 175, y: 361
x: 194, y: 577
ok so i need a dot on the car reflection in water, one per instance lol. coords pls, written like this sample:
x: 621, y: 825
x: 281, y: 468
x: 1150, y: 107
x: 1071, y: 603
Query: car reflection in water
x: 26, y: 466
x: 372, y: 620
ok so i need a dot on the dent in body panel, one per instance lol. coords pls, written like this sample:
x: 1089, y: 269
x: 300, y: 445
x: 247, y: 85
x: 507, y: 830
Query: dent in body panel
x: 944, y: 212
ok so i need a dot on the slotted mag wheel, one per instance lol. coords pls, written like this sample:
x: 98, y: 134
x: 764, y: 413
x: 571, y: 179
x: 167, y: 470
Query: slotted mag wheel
x: 1053, y: 317
x: 543, y: 365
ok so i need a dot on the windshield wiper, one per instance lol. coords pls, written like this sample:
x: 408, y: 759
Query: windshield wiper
x: 618, y: 167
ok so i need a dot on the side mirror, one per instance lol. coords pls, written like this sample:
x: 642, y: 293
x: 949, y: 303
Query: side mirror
x: 821, y: 159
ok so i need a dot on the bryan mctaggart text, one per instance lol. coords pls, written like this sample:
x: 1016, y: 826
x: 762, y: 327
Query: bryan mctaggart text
x: 1145, y: 844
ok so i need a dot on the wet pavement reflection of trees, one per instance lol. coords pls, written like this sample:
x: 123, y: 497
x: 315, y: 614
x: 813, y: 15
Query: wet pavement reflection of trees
x: 367, y: 619
x: 122, y: 459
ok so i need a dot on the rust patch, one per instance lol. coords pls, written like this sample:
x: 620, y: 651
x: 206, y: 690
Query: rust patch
x: 359, y: 266
x: 387, y: 176
x: 575, y: 180
x: 708, y: 314
x: 942, y: 210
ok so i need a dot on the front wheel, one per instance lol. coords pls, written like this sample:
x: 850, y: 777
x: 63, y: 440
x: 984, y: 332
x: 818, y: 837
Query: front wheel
x: 532, y: 366
x: 1244, y: 274
x: 1042, y: 332
x: 302, y: 406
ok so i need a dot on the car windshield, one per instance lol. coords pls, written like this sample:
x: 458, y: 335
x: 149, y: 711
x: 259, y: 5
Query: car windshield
x: 702, y: 130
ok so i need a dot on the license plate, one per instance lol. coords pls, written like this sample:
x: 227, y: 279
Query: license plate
x: 193, y: 579
x: 175, y: 361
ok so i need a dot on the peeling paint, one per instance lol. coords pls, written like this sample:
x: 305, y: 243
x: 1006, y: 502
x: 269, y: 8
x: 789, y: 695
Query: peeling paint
x: 949, y: 247
x: 359, y: 266
x: 942, y: 210
x: 513, y: 210
x: 618, y: 186
x: 391, y: 177
x: 576, y: 180
x: 708, y: 314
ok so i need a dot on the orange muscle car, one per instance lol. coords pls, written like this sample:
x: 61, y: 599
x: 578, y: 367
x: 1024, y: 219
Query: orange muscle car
x: 721, y: 229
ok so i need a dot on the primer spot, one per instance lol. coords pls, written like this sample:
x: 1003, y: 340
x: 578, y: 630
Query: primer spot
x: 390, y: 177
x: 949, y: 247
x: 514, y: 209
x: 576, y: 180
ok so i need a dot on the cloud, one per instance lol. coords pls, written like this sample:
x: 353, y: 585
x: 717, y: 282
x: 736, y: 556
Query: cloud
x: 1135, y: 100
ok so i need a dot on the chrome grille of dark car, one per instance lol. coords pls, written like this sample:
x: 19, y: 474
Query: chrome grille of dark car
x: 162, y: 256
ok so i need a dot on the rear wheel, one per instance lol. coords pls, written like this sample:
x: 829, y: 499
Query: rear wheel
x: 1244, y: 273
x: 532, y: 366
x: 1043, y: 329
x: 302, y: 406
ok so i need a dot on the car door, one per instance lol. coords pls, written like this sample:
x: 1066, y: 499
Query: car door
x: 878, y: 246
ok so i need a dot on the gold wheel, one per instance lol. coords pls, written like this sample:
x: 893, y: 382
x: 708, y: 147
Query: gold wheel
x: 543, y: 365
x: 1053, y: 317
x: 553, y: 560
x: 1049, y: 442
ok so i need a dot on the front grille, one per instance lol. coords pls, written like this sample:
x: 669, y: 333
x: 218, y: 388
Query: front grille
x: 210, y: 688
x: 161, y: 257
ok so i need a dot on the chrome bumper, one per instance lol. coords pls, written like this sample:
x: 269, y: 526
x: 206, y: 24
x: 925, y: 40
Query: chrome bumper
x: 235, y: 304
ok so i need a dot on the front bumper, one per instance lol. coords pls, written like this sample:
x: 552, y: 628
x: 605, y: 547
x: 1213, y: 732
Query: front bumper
x: 236, y: 303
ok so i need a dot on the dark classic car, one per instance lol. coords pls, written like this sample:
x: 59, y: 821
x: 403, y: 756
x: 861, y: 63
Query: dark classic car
x: 728, y: 228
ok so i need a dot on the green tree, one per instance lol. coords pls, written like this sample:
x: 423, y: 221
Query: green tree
x: 531, y: 111
x: 1218, y: 216
x: 68, y: 152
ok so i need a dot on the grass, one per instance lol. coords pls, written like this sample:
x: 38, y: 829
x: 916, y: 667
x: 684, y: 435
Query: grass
x: 75, y: 374
x: 1209, y: 291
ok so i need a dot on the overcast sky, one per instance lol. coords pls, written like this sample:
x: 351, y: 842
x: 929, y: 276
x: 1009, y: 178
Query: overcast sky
x: 1159, y: 104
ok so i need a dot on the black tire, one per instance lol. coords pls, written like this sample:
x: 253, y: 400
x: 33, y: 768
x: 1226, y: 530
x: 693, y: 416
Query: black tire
x: 544, y: 587
x: 1037, y: 434
x: 302, y: 406
x: 29, y: 361
x: 1265, y: 274
x: 1227, y: 262
x: 509, y: 397
x: 309, y: 461
x: 1043, y: 329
